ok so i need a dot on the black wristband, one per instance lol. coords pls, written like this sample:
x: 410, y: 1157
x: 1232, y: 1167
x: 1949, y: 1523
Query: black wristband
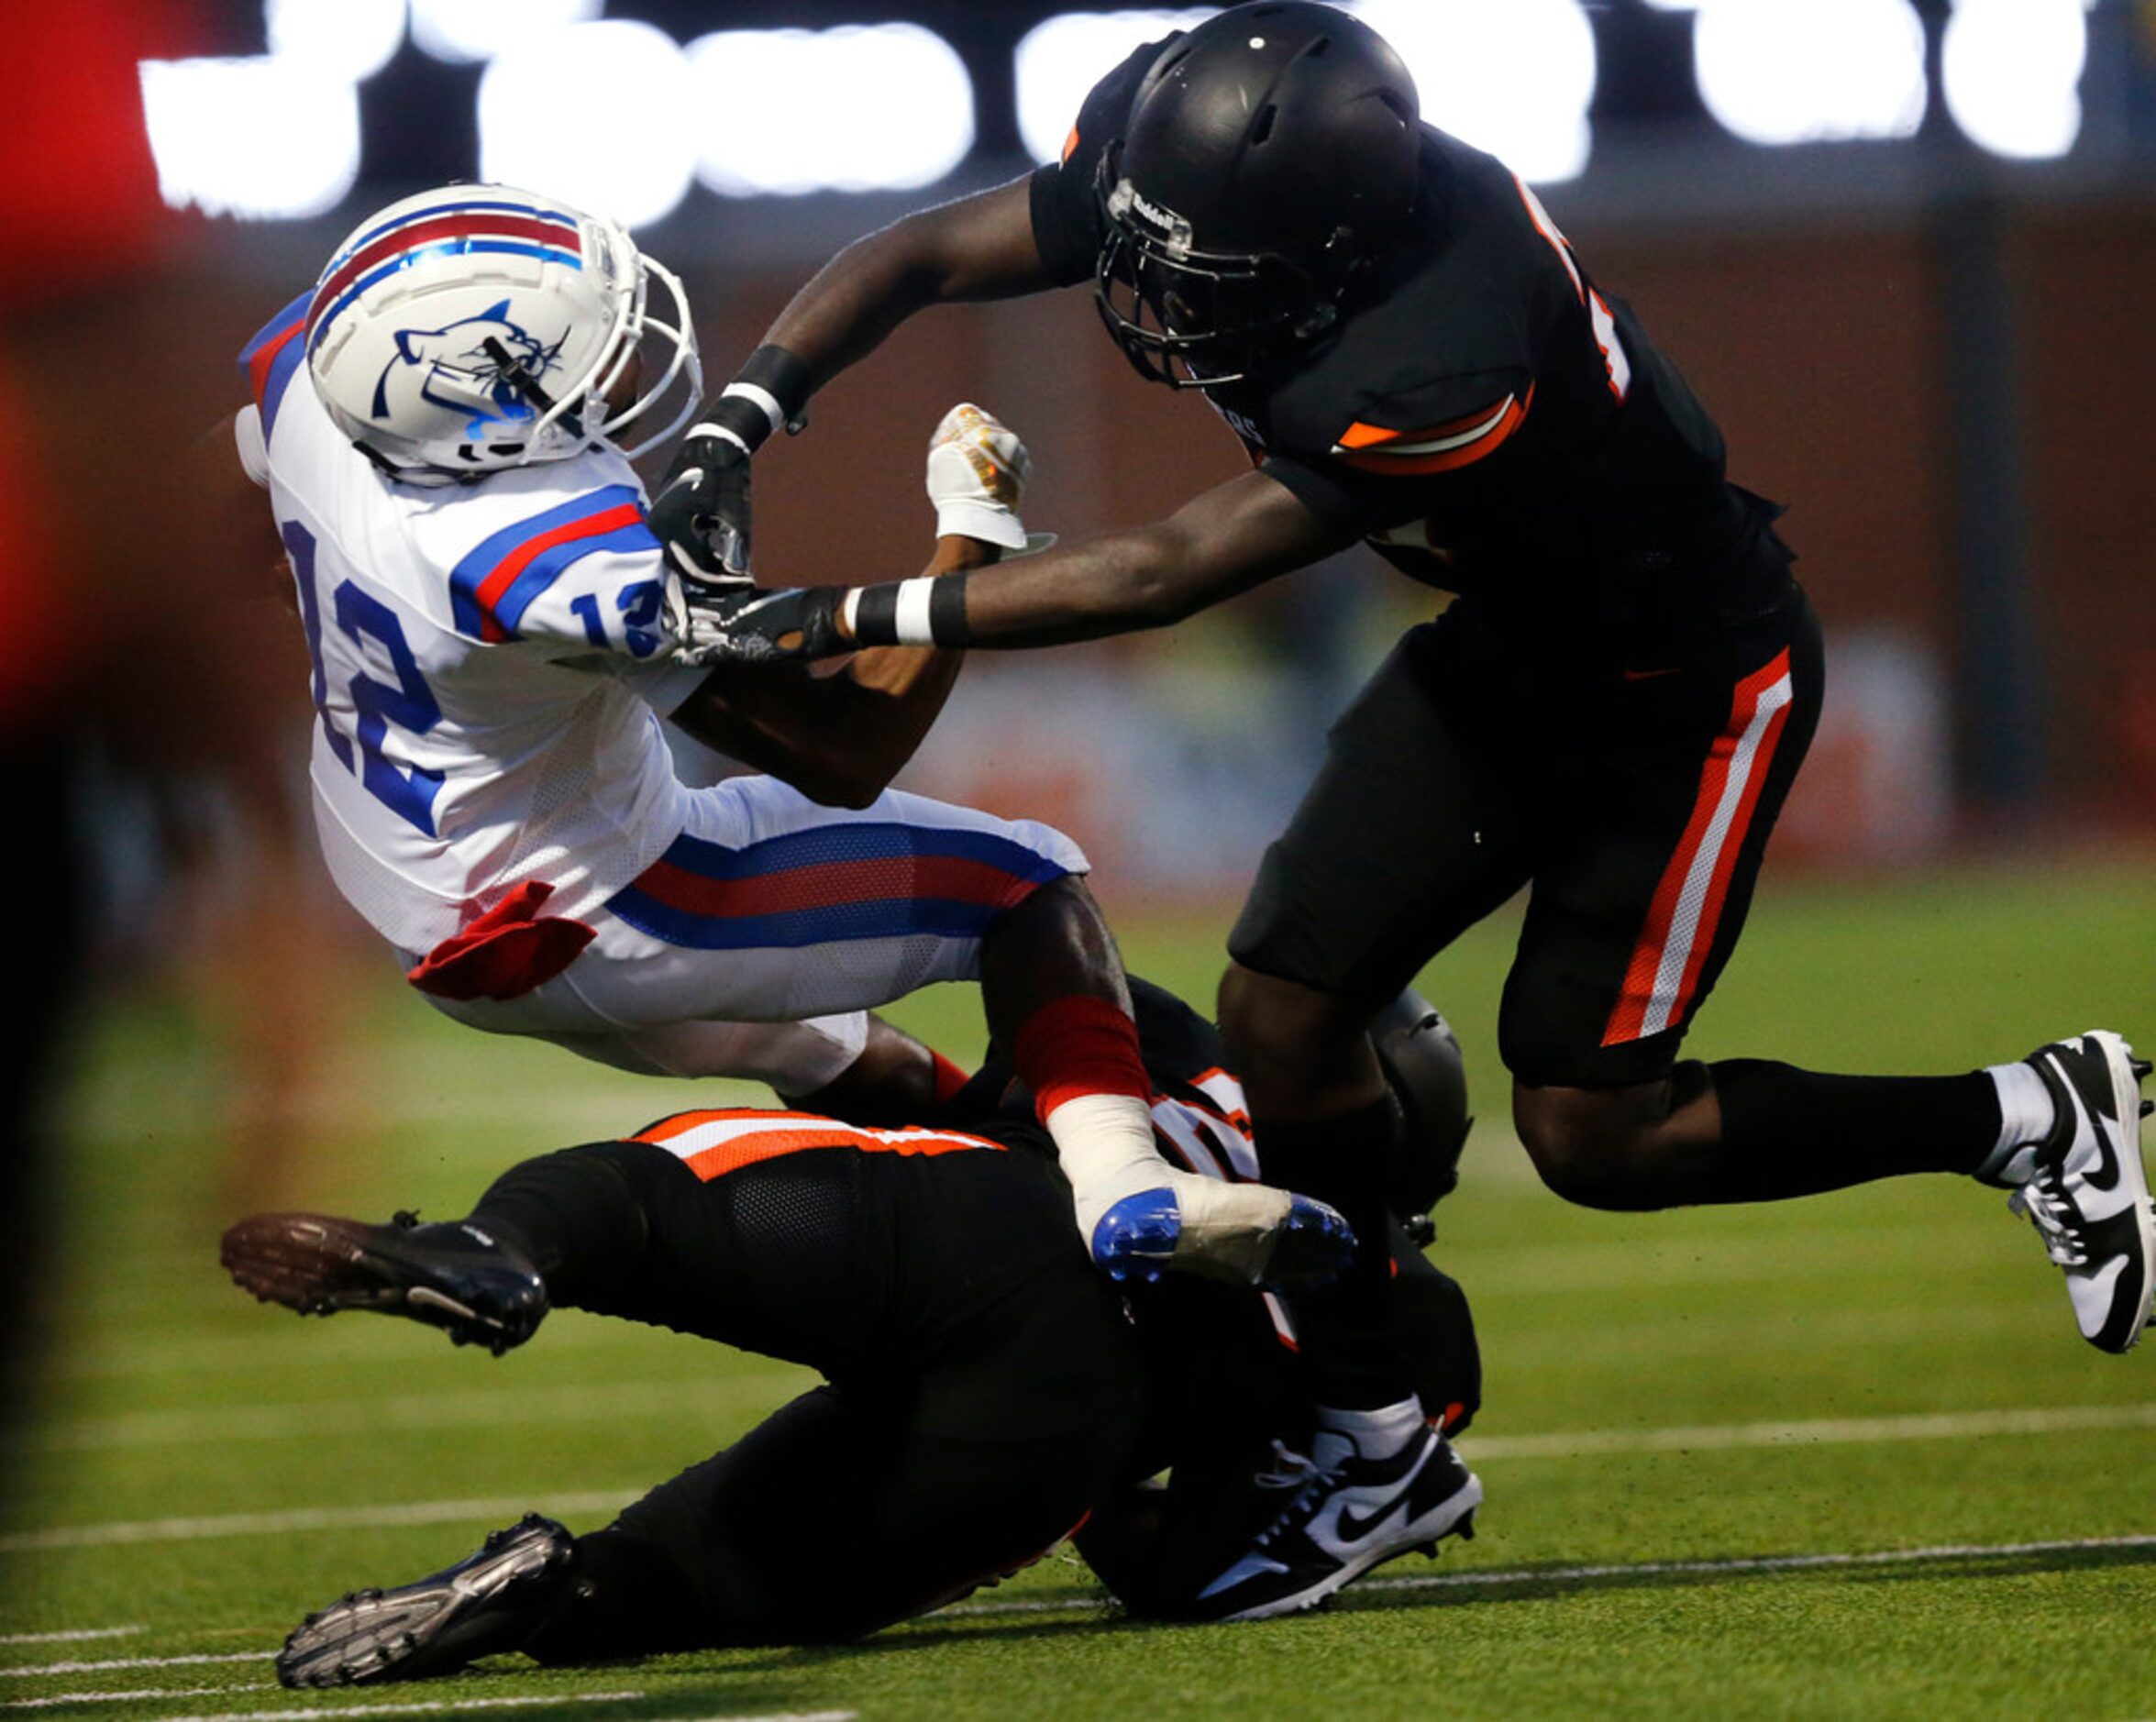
x: 741, y: 418
x: 771, y: 389
x: 946, y: 609
x: 783, y: 377
x: 876, y: 617
x: 924, y: 610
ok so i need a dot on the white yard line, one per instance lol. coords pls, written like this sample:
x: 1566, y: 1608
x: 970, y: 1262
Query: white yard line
x: 585, y: 1403
x: 1765, y: 1564
x: 113, y: 1697
x: 415, y: 1706
x: 1945, y: 1425
x: 69, y: 1637
x: 33, y: 1670
x: 1640, y: 1568
x: 1942, y: 1425
x: 307, y: 1518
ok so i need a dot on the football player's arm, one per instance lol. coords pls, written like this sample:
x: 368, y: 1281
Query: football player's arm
x: 1227, y: 540
x: 838, y: 739
x: 1224, y: 541
x: 980, y: 247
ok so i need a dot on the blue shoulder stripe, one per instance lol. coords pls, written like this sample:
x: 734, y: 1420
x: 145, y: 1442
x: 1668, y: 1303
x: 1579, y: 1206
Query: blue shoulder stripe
x: 494, y: 583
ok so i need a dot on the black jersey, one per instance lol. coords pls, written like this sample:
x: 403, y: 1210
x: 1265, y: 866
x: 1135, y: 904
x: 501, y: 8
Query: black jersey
x: 1481, y: 411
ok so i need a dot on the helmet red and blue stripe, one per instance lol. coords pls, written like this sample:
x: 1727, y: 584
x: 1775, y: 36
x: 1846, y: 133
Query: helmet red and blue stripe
x: 476, y: 226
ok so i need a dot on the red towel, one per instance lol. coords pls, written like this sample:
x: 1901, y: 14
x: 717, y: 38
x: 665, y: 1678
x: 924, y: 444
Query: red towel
x: 505, y: 953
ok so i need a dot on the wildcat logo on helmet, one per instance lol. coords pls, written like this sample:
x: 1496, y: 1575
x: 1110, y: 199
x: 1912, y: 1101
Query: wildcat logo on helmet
x: 467, y: 356
x: 475, y: 327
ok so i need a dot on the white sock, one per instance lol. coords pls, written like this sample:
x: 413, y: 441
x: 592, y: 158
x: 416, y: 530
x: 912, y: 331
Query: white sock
x: 1366, y: 1434
x: 1105, y: 1143
x: 2026, y: 1117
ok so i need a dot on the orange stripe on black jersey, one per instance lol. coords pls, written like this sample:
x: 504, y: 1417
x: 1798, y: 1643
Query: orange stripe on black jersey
x: 714, y: 1143
x: 1433, y: 447
x: 1070, y: 144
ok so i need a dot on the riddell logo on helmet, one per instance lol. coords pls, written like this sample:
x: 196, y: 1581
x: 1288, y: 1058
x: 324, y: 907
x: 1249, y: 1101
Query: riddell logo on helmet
x: 1173, y: 230
x: 1158, y: 216
x: 454, y: 367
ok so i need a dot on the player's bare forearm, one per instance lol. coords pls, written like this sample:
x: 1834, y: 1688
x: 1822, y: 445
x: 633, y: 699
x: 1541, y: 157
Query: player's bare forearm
x: 838, y: 739
x: 977, y: 248
x: 1234, y: 536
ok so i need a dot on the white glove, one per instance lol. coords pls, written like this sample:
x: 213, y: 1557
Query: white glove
x: 977, y: 474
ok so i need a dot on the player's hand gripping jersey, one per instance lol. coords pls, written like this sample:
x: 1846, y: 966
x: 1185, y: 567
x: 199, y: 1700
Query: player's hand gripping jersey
x: 1480, y: 411
x: 489, y: 665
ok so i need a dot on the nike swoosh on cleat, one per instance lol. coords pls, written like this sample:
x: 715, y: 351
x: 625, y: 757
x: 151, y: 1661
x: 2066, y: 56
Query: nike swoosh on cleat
x: 1353, y: 1527
x: 2107, y: 1157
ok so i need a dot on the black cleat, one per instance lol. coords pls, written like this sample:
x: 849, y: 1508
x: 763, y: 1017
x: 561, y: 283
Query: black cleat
x: 488, y: 1603
x: 450, y: 1276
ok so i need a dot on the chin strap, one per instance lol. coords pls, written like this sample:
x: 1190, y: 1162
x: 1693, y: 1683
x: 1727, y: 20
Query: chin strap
x: 520, y: 375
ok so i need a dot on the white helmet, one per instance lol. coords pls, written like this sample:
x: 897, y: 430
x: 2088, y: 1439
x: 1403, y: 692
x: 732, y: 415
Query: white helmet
x: 479, y: 326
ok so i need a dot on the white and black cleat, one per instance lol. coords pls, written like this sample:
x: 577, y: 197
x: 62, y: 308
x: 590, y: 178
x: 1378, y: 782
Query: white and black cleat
x: 489, y: 1602
x: 1341, y: 1522
x: 2083, y: 1188
x: 456, y: 1278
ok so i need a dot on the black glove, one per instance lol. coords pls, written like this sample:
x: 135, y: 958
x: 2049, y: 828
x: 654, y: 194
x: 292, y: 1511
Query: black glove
x: 755, y: 624
x: 702, y: 514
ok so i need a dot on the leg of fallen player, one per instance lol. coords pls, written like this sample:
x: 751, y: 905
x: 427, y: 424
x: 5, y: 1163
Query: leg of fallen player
x: 1053, y: 987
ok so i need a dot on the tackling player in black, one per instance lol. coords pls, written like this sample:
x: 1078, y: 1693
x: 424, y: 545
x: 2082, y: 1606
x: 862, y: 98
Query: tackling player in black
x: 985, y: 1389
x: 1612, y: 708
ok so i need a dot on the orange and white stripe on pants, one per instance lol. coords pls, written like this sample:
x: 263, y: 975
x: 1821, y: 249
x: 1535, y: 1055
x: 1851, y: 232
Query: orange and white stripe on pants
x: 714, y: 1144
x: 1686, y: 910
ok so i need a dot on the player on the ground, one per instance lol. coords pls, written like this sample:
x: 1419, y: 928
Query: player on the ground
x: 1613, y: 708
x: 984, y: 1390
x: 436, y: 422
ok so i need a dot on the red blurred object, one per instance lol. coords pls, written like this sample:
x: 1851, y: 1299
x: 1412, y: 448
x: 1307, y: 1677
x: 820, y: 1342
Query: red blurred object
x: 78, y: 187
x: 79, y: 205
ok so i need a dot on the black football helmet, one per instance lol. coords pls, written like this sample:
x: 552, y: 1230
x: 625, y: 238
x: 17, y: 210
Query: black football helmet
x: 1420, y: 1057
x: 1268, y: 154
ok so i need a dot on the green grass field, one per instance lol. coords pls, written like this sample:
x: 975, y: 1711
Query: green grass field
x: 1841, y: 1457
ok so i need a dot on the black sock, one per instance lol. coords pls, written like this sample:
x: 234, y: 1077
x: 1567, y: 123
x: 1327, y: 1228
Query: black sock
x: 582, y: 1217
x: 1796, y: 1132
x: 1345, y: 1328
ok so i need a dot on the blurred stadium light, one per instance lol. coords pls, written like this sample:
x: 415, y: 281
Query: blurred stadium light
x: 2012, y: 71
x: 207, y: 121
x: 1788, y: 71
x: 351, y: 39
x: 799, y: 96
x: 464, y: 30
x: 601, y: 114
x: 1515, y: 79
x: 1061, y: 57
x: 877, y: 107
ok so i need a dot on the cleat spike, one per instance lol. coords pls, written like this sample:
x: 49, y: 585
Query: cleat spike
x: 2141, y: 1066
x: 2148, y: 1106
x: 1429, y: 1548
x: 1465, y: 1531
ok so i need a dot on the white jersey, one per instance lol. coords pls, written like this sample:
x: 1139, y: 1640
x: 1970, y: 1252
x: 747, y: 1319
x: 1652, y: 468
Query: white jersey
x: 490, y: 661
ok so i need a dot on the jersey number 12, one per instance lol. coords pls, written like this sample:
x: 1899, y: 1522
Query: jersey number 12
x: 410, y: 704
